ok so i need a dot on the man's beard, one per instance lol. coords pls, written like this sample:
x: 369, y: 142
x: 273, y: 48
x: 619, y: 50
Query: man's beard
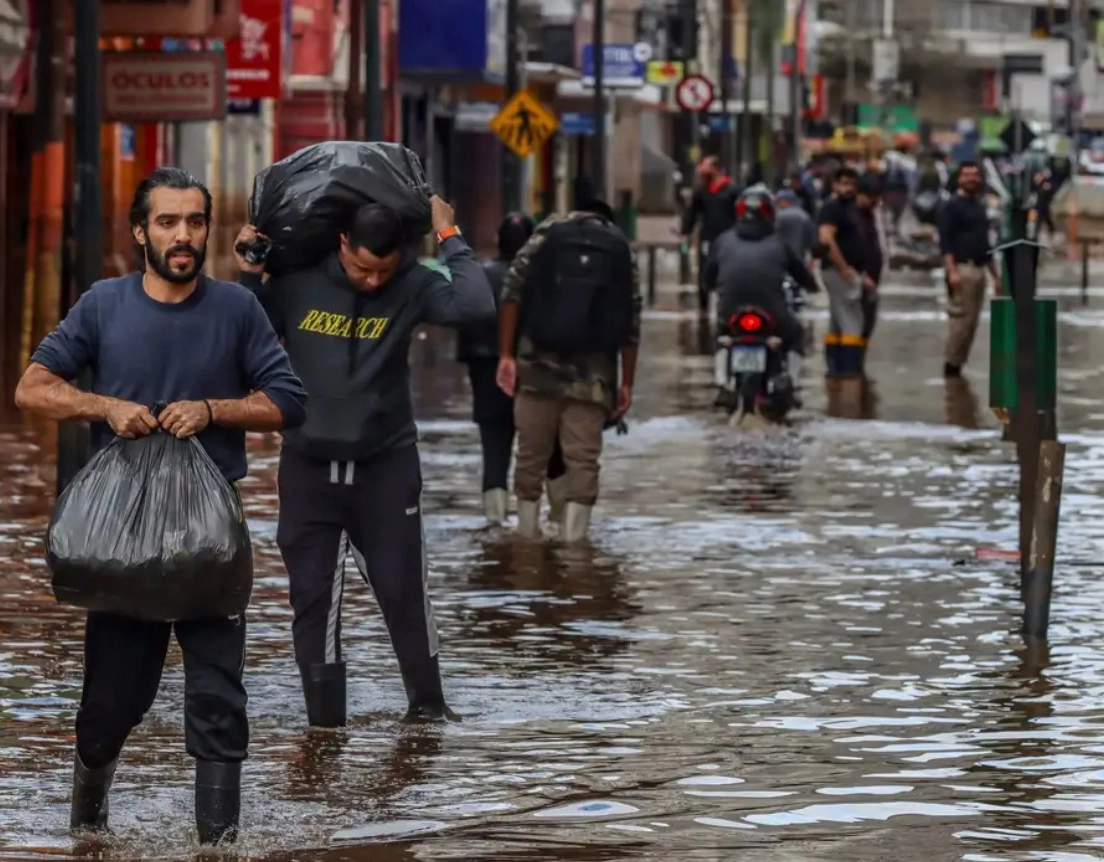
x: 159, y: 262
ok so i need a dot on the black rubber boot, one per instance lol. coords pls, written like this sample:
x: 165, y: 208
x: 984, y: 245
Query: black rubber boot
x: 324, y: 690
x: 217, y: 801
x: 425, y: 694
x: 90, y: 789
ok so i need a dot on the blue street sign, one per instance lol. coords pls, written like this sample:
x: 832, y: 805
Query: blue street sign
x: 128, y: 142
x: 244, y: 107
x: 577, y: 123
x: 720, y: 123
x: 620, y: 66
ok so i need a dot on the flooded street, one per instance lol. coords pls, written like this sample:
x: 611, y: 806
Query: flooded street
x: 779, y: 647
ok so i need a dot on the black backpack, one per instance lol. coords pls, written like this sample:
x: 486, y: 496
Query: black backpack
x: 580, y: 291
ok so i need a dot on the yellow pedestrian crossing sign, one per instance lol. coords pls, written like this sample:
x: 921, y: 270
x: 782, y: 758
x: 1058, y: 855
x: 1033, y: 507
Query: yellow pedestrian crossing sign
x: 524, y: 124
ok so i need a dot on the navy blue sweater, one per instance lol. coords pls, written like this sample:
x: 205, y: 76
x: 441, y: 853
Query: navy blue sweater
x: 215, y: 344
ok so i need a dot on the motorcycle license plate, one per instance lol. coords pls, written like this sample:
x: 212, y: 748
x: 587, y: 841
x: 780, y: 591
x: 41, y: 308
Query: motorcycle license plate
x: 748, y: 360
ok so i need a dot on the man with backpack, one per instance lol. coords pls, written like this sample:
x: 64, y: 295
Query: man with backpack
x: 573, y: 297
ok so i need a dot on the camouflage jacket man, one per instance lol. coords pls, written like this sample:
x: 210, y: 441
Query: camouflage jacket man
x: 592, y: 378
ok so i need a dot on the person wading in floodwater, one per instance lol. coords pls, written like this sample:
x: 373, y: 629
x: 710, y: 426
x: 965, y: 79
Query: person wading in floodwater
x: 964, y: 241
x: 350, y: 479
x: 166, y: 334
x: 492, y: 409
x: 712, y: 210
x: 570, y: 310
x: 843, y: 272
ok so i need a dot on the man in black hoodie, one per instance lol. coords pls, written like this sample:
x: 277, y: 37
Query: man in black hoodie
x: 350, y: 478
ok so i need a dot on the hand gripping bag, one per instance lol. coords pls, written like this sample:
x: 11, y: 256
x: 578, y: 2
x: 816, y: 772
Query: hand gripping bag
x: 303, y: 203
x: 151, y: 529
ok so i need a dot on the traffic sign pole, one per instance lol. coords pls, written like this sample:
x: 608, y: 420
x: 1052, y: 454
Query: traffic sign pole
x: 511, y: 164
x: 598, y: 145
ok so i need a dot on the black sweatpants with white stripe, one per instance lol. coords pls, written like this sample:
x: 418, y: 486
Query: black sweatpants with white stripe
x: 371, y: 510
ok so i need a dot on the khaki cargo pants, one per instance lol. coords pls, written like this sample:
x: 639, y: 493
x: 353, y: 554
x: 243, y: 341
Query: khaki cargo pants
x: 540, y: 420
x: 963, y: 310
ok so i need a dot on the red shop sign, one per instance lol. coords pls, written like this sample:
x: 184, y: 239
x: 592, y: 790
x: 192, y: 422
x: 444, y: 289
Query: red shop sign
x: 254, y: 58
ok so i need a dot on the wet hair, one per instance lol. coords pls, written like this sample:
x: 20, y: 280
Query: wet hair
x: 376, y: 228
x: 165, y: 178
x: 846, y: 173
x: 598, y: 207
x: 513, y: 233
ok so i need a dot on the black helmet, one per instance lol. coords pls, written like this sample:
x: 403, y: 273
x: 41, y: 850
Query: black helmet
x: 513, y: 233
x: 755, y: 211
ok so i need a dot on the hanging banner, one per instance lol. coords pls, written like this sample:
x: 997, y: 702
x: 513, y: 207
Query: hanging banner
x: 254, y: 58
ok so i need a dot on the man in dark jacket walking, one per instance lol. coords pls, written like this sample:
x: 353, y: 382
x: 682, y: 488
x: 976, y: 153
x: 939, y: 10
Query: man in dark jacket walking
x: 350, y: 479
x: 713, y: 211
x: 866, y: 208
x: 493, y: 409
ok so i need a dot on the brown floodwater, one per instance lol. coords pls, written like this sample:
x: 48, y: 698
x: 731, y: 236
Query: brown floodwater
x: 780, y: 645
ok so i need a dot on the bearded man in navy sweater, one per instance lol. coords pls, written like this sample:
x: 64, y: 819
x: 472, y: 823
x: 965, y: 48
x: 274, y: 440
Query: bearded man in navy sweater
x: 166, y: 335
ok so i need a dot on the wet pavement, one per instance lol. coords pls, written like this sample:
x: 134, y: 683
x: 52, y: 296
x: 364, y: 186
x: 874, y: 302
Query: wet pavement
x: 779, y: 647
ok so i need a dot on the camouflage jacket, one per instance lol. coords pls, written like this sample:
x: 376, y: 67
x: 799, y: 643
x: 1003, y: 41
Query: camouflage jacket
x: 589, y: 377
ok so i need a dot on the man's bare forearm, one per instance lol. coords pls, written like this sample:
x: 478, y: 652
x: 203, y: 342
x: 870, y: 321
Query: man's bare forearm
x: 508, y: 317
x: 628, y: 365
x: 45, y: 394
x: 255, y: 412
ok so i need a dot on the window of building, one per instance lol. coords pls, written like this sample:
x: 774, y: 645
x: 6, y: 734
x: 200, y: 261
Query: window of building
x: 1008, y: 19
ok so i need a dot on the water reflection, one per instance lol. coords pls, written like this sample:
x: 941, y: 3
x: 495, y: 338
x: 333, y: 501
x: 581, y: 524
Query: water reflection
x: 851, y: 398
x: 963, y: 407
x: 547, y: 602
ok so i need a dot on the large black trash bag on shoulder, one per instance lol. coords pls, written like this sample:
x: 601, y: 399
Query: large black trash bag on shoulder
x: 151, y: 529
x: 304, y: 202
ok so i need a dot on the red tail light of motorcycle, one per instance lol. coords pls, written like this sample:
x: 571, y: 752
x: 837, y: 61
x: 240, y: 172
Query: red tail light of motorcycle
x: 749, y: 323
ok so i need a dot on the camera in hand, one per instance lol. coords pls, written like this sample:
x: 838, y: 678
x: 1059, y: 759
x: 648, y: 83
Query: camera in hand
x: 254, y: 252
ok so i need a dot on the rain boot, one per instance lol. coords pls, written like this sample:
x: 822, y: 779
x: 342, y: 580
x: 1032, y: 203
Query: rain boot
x: 217, y: 801
x: 90, y: 789
x: 425, y: 694
x: 494, y: 505
x: 831, y: 355
x: 324, y: 690
x: 576, y: 522
x: 556, y: 489
x: 529, y: 519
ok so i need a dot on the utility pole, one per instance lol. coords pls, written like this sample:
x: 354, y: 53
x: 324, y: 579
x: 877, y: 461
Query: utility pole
x: 725, y: 79
x: 598, y: 51
x: 511, y: 164
x: 73, y: 443
x: 373, y: 106
x: 746, y: 151
x: 1078, y: 19
x: 796, y: 67
x: 353, y: 101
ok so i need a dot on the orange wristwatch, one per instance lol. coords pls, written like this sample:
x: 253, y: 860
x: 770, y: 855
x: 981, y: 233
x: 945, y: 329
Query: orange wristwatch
x: 447, y: 233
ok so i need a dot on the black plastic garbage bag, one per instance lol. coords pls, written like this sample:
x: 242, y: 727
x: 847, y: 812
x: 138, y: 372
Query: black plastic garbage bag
x: 151, y: 529
x: 303, y: 203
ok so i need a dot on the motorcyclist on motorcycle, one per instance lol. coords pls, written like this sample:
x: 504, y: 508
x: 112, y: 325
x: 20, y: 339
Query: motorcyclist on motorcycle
x: 748, y: 264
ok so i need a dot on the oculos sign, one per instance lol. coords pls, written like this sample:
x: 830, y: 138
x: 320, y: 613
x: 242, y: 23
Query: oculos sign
x: 155, y: 87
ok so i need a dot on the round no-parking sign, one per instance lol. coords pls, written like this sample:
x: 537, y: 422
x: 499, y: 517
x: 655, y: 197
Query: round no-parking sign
x: 694, y: 93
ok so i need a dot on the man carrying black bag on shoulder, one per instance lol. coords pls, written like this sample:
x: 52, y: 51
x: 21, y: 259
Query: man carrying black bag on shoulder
x: 350, y: 478
x: 205, y: 348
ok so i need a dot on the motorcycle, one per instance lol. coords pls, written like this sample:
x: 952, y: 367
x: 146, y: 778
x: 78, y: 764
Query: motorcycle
x: 751, y: 370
